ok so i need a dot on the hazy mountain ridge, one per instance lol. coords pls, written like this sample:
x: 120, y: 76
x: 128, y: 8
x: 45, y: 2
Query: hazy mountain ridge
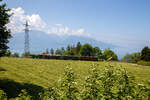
x: 39, y: 41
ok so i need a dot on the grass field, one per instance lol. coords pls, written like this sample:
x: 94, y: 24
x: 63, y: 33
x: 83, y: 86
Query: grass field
x: 36, y: 74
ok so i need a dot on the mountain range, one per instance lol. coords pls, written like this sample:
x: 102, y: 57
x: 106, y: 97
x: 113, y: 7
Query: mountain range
x: 40, y: 41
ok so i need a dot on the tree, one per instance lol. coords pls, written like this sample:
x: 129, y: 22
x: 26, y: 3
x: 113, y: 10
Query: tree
x: 8, y: 53
x: 52, y: 51
x: 68, y: 48
x: 136, y: 57
x: 15, y: 54
x: 62, y: 50
x: 78, y: 47
x: 58, y: 52
x: 132, y: 58
x: 97, y: 51
x: 109, y: 55
x: 4, y: 32
x: 127, y: 58
x: 145, y: 54
x: 69, y: 53
x: 26, y: 54
x: 86, y: 50
x: 47, y: 51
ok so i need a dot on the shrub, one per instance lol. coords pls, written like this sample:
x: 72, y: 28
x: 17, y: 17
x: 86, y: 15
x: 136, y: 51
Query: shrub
x: 112, y: 83
x: 145, y: 63
x: 68, y: 85
x: 66, y: 89
x: 3, y: 95
x: 49, y: 94
x: 23, y: 96
x: 91, y: 87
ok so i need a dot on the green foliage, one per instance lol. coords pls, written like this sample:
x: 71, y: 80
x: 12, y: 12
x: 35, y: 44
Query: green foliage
x: 91, y: 88
x: 47, y: 52
x: 15, y: 54
x: 109, y: 55
x: 49, y: 94
x: 136, y: 57
x: 68, y: 85
x: 66, y: 88
x: 132, y: 58
x: 145, y: 54
x: 145, y: 63
x: 86, y: 50
x: 3, y: 95
x: 97, y: 51
x: 4, y: 32
x: 60, y: 51
x: 23, y: 96
x: 70, y: 52
x: 79, y: 50
x: 52, y: 51
x: 112, y: 84
x: 8, y: 53
x: 78, y: 47
x: 99, y: 80
x: 26, y: 54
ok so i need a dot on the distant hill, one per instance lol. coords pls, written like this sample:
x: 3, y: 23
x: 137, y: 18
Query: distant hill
x: 39, y: 41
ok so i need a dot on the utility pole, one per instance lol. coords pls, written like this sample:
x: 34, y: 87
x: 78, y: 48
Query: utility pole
x: 26, y: 43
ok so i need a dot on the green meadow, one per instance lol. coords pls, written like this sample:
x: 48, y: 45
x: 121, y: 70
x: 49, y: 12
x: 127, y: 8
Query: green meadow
x: 37, y: 74
x: 44, y: 72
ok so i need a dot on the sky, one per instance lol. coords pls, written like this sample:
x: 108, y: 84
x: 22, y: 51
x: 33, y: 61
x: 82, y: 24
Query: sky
x: 125, y: 23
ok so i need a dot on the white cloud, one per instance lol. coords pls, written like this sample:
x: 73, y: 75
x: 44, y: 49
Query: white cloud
x: 58, y: 24
x: 19, y: 18
x: 63, y: 30
x: 78, y: 32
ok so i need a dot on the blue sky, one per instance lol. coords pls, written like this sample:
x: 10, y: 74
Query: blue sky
x: 122, y: 22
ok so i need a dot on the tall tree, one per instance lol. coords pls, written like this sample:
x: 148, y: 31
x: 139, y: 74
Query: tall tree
x: 68, y: 48
x: 15, y: 54
x: 62, y: 50
x: 47, y: 51
x: 109, y: 55
x: 86, y: 50
x: 145, y: 54
x: 52, y: 51
x: 132, y: 58
x: 4, y: 32
x: 97, y: 51
x: 58, y: 52
x: 78, y: 47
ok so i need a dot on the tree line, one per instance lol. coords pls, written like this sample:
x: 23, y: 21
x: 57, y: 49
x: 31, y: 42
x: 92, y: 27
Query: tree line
x: 83, y: 50
x: 142, y: 57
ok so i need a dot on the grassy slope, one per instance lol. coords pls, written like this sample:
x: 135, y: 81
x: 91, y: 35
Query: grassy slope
x: 45, y: 72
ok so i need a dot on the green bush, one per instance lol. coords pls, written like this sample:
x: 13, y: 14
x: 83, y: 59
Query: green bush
x: 145, y: 63
x: 3, y: 95
x: 23, y: 96
x: 113, y: 83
